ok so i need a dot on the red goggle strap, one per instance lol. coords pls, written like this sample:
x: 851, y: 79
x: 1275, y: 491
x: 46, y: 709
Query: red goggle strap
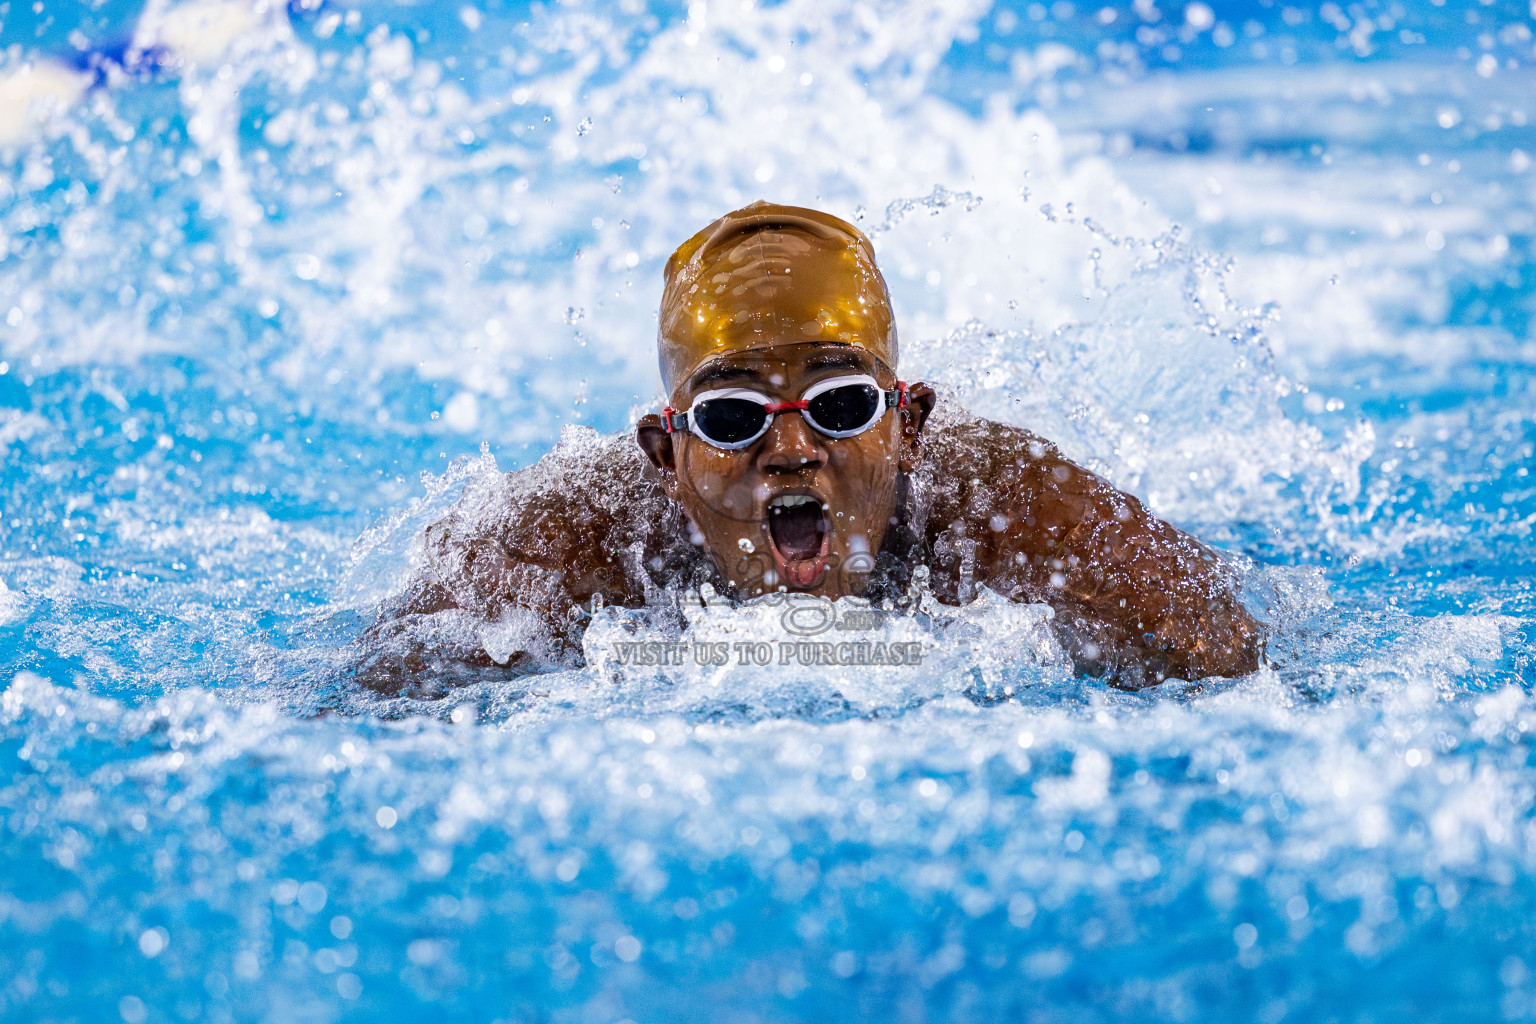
x: 785, y: 406
x: 674, y: 421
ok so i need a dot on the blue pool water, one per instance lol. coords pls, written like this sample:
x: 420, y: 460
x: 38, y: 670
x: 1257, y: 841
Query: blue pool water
x: 279, y: 282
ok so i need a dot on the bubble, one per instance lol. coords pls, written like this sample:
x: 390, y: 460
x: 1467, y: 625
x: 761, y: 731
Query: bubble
x: 152, y: 942
x: 311, y: 897
x: 306, y: 267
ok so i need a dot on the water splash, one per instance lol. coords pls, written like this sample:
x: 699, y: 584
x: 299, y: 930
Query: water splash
x: 263, y: 268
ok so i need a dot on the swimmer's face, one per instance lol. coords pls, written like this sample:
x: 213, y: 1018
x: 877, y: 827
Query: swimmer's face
x: 795, y: 509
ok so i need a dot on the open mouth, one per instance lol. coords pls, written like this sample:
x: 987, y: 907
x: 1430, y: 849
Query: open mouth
x: 797, y: 527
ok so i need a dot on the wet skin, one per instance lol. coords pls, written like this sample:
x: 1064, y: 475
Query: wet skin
x: 728, y: 494
x: 1134, y: 598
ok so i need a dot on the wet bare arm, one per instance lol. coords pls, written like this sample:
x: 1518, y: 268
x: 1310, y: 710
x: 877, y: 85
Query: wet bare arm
x: 1133, y: 596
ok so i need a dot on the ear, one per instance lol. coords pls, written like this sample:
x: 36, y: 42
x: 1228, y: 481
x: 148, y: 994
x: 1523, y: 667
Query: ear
x: 654, y: 440
x: 920, y: 402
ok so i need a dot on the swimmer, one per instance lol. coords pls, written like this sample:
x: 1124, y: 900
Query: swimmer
x: 790, y: 456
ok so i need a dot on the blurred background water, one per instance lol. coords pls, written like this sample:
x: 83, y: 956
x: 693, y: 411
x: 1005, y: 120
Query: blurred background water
x: 278, y: 280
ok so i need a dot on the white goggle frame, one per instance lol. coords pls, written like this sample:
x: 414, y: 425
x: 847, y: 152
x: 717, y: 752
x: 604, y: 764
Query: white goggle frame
x: 894, y: 398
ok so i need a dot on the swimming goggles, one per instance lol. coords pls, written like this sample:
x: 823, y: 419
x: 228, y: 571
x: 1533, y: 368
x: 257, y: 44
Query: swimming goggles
x: 837, y: 407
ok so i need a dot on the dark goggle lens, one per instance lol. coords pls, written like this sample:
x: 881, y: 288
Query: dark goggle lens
x: 845, y: 408
x: 728, y: 420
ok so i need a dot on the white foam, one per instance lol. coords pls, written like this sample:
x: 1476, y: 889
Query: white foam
x: 12, y: 605
x: 34, y: 95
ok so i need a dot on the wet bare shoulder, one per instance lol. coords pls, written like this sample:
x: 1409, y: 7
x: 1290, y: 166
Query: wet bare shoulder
x: 537, y: 542
x: 552, y: 534
x: 1133, y: 595
x: 526, y: 550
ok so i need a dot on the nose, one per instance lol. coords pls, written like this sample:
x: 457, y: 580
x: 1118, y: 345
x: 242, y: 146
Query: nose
x: 790, y: 446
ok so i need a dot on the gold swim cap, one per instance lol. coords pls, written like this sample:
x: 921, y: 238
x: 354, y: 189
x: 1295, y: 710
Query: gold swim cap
x: 769, y: 275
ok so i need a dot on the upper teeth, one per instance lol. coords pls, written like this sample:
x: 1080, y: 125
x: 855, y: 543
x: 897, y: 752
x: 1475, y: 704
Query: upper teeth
x: 791, y: 500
